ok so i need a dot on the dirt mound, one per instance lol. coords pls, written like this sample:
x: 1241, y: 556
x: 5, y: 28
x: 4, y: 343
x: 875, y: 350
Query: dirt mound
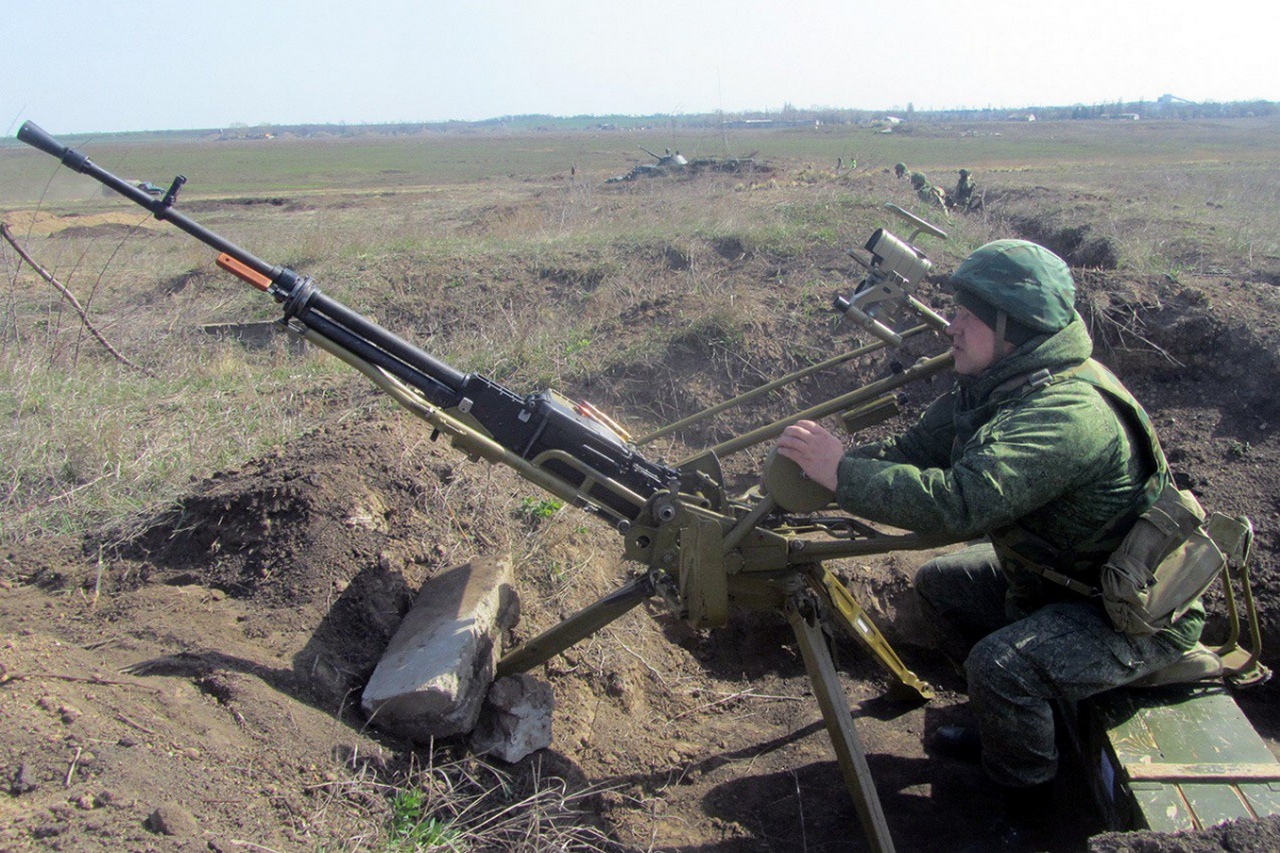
x: 330, y: 536
x: 1065, y: 228
x: 1238, y: 836
x: 118, y: 224
x: 288, y: 529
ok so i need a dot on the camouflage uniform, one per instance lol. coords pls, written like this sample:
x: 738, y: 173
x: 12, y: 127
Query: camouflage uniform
x: 1000, y: 456
x: 963, y: 195
x: 927, y: 191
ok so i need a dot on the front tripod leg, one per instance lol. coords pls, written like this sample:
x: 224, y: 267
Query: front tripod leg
x: 803, y: 616
x: 584, y: 623
x: 846, y: 611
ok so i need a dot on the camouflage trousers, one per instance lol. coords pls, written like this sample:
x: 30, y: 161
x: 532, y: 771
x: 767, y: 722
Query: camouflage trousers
x: 1018, y: 667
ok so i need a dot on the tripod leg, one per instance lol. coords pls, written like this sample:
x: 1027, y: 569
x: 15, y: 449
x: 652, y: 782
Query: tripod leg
x: 585, y: 622
x: 835, y: 711
x: 848, y: 612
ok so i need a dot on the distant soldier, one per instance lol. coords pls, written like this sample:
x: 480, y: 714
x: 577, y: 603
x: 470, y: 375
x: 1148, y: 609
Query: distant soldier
x: 963, y: 195
x: 900, y: 170
x: 927, y: 192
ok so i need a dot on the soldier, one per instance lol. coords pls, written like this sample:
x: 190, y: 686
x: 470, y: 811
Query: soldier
x: 926, y: 191
x: 963, y: 195
x: 1042, y: 451
x: 900, y: 170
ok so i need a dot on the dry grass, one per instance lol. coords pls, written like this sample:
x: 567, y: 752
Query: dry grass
x: 542, y: 283
x: 467, y: 805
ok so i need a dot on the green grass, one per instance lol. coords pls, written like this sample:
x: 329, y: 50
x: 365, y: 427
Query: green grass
x: 100, y: 443
x: 434, y: 159
x: 535, y: 510
x: 411, y: 830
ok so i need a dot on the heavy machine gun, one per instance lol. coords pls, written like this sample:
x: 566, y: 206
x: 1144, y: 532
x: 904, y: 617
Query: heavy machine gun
x: 699, y: 548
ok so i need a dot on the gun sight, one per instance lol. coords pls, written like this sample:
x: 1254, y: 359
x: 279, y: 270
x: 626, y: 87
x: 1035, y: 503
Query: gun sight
x: 883, y: 303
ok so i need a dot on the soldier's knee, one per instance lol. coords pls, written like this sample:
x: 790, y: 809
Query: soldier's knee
x: 929, y: 582
x: 991, y: 665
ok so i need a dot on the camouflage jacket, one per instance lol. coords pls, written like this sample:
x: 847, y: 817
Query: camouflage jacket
x: 996, y: 458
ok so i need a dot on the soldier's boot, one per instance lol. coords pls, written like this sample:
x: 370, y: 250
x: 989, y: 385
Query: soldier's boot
x: 959, y: 742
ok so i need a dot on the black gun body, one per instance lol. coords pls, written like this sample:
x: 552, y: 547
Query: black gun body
x: 543, y: 429
x: 532, y: 426
x: 539, y: 428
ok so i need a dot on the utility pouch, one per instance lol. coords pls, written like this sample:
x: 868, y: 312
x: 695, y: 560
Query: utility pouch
x: 1163, y: 565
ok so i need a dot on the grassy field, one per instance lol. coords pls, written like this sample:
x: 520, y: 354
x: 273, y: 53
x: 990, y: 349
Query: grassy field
x: 510, y: 255
x: 285, y: 165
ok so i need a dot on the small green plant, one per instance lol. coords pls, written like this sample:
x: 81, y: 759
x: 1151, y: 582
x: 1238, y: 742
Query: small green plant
x: 1239, y: 449
x: 412, y: 831
x: 535, y: 510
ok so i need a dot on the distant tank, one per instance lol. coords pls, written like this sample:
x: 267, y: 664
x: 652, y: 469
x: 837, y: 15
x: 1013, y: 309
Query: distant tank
x: 670, y: 161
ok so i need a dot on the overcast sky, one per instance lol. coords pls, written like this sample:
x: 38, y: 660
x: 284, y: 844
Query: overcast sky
x: 113, y: 65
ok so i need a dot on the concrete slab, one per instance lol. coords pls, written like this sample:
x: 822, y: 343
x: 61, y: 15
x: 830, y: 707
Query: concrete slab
x: 516, y: 719
x: 435, y: 672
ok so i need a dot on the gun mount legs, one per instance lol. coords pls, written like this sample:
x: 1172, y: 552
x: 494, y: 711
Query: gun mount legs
x: 846, y: 610
x: 584, y: 623
x: 803, y: 616
x: 809, y: 598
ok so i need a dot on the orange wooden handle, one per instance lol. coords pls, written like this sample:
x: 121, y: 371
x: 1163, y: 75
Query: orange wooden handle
x: 242, y: 272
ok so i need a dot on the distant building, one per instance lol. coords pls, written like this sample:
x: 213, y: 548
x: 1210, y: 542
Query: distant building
x: 773, y: 122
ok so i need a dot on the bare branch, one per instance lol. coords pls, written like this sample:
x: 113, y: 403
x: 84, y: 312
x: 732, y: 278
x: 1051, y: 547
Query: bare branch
x: 69, y: 297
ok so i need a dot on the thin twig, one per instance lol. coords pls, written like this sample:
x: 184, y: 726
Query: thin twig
x: 6, y: 676
x: 71, y: 771
x: 63, y: 495
x: 135, y: 724
x: 254, y: 845
x: 647, y: 665
x: 69, y: 297
x: 743, y: 694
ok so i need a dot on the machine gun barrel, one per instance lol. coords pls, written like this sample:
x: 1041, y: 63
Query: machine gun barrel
x: 570, y: 450
x: 439, y: 382
x: 35, y: 136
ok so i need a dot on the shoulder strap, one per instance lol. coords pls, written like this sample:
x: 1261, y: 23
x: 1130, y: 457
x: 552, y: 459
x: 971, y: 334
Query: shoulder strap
x: 1038, y: 556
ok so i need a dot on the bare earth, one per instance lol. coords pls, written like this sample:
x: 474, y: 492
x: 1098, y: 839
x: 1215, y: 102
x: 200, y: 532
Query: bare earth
x: 197, y: 688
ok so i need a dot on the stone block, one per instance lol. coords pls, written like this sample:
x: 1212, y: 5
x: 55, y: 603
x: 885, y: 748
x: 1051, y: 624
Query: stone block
x: 433, y: 677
